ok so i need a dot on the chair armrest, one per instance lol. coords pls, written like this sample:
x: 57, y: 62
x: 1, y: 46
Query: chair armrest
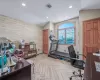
x: 81, y: 55
x: 77, y: 59
x: 74, y: 58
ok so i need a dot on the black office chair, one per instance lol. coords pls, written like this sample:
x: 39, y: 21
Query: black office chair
x: 74, y: 59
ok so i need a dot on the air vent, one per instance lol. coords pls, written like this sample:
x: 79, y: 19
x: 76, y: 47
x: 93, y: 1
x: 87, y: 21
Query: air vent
x: 48, y: 5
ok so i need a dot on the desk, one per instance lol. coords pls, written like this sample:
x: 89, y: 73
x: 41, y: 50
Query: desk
x: 22, y: 71
x: 90, y: 72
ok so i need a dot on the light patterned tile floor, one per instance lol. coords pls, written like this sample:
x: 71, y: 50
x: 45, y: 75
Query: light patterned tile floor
x: 47, y: 68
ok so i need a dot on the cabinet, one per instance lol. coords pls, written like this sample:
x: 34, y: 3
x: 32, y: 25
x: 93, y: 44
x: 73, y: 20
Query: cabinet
x: 29, y: 50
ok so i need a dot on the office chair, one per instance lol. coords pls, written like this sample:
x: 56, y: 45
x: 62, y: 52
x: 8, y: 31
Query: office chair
x: 76, y: 62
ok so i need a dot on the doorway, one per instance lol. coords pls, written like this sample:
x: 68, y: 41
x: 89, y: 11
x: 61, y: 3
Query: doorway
x: 91, y: 36
x: 45, y: 41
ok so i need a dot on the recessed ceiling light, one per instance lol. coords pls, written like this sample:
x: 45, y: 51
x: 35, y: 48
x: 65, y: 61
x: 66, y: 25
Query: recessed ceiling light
x: 23, y: 4
x: 47, y: 17
x: 70, y: 6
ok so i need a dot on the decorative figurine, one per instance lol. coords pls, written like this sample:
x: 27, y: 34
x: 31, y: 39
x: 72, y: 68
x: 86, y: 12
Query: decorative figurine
x: 3, y: 60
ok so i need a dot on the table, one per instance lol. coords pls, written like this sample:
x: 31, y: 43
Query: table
x: 90, y: 72
x: 21, y: 71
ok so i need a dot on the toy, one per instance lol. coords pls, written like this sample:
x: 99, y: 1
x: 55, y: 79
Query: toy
x: 6, y: 50
x: 3, y: 59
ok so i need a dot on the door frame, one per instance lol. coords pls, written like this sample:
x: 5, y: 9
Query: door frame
x: 48, y: 41
x: 83, y: 31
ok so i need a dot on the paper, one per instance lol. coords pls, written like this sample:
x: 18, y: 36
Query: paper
x: 96, y: 54
x: 97, y: 65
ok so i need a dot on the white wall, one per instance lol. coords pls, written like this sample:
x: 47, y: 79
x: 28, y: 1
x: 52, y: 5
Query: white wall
x: 17, y: 30
x: 47, y: 26
x: 64, y: 48
x: 86, y: 15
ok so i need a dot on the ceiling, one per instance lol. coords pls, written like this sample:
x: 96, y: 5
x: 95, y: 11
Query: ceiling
x: 90, y: 4
x: 36, y: 11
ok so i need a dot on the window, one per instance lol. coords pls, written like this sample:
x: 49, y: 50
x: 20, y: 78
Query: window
x: 66, y: 33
